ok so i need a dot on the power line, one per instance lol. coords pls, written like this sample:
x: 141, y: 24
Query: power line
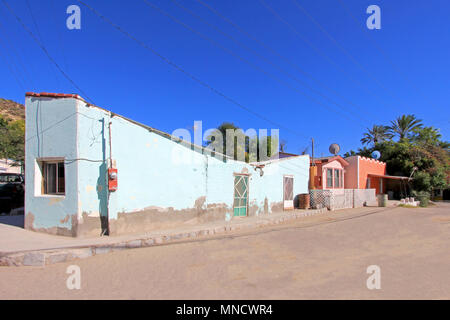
x: 179, y: 68
x: 45, y: 50
x: 13, y: 68
x: 61, y: 46
x: 317, y: 50
x: 215, y: 43
x: 13, y: 72
x: 382, y: 52
x: 354, y: 60
x: 274, y: 52
x: 34, y: 20
x: 15, y: 53
x: 337, y: 44
x: 40, y: 37
x: 255, y: 52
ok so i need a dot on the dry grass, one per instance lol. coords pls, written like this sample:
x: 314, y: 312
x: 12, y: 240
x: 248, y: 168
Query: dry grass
x: 11, y: 110
x: 407, y: 206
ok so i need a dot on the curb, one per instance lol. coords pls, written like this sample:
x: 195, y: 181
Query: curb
x: 47, y: 257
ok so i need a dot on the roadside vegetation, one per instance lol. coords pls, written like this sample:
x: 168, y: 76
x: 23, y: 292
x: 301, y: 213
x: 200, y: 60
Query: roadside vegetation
x: 410, y: 148
x: 12, y: 130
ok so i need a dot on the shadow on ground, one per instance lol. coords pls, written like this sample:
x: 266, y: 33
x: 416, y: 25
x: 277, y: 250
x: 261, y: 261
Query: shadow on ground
x: 12, y: 220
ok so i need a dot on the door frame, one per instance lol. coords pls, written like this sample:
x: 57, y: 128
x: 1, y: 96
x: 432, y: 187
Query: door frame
x: 284, y: 201
x: 235, y: 174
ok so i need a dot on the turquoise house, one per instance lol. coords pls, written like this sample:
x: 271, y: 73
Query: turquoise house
x: 90, y: 172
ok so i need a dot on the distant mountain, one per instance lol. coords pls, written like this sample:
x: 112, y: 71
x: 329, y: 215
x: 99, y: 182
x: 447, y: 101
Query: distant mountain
x: 12, y: 110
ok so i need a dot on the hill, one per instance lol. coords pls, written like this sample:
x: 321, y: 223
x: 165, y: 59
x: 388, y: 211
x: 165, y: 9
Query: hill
x: 12, y: 110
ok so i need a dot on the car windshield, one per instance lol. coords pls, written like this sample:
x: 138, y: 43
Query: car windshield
x: 10, y: 178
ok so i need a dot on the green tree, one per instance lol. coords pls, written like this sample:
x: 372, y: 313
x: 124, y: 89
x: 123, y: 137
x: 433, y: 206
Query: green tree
x: 269, y: 145
x: 221, y: 131
x: 251, y: 146
x: 419, y: 152
x: 364, y: 151
x: 350, y: 153
x: 375, y: 135
x: 282, y: 146
x: 432, y: 162
x: 404, y: 125
x: 12, y: 136
x: 426, y: 136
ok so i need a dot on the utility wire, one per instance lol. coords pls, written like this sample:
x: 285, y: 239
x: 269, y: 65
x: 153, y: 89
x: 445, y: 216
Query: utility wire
x: 255, y: 52
x: 34, y: 21
x: 383, y: 54
x: 381, y: 51
x: 60, y: 40
x: 317, y: 50
x: 40, y: 37
x: 337, y: 44
x: 13, y: 67
x: 270, y: 75
x: 275, y: 52
x: 179, y: 68
x: 70, y: 161
x: 45, y: 51
x: 12, y: 72
x: 13, y: 51
x: 9, y: 61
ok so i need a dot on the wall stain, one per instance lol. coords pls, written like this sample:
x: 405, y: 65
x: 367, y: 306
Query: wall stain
x: 56, y: 230
x: 151, y: 218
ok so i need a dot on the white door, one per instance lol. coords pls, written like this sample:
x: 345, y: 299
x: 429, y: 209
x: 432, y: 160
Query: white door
x: 288, y: 192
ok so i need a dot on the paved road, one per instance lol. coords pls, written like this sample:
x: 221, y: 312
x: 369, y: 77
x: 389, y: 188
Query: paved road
x: 321, y: 257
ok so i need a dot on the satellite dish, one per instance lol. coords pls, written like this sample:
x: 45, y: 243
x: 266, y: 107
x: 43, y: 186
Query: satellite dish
x: 334, y: 148
x: 376, y: 155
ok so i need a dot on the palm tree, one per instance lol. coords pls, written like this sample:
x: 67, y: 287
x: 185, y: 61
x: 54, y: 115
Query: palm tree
x: 376, y: 134
x: 404, y: 125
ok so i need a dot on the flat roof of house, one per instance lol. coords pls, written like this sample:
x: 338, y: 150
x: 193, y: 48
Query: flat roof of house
x: 275, y: 160
x: 162, y: 133
x: 151, y: 129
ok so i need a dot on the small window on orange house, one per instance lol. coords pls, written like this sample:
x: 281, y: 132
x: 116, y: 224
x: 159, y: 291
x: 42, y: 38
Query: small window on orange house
x: 337, y: 178
x: 329, y: 178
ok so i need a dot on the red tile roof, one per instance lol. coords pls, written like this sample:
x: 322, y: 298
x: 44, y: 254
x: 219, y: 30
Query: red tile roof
x: 53, y: 95
x: 329, y: 159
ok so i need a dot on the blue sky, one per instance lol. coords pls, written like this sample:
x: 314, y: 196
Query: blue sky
x: 358, y: 77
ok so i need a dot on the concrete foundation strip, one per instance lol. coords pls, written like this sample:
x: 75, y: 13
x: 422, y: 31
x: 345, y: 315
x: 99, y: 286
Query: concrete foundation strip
x: 56, y: 255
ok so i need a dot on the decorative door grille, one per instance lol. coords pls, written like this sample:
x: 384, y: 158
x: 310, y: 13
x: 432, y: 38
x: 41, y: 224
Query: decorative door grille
x: 240, y: 195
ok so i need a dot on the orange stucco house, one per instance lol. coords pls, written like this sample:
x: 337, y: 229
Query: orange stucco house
x: 368, y: 173
x: 328, y: 173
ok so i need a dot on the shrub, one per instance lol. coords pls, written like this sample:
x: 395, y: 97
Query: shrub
x: 423, y: 197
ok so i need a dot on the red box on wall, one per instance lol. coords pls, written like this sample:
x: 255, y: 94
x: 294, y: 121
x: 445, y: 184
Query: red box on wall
x: 112, y: 179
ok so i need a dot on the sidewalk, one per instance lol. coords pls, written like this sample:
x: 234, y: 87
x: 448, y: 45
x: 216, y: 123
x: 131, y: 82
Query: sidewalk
x: 22, y: 247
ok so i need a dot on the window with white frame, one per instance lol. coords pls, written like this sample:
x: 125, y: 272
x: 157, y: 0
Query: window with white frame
x: 337, y: 178
x: 329, y: 178
x: 53, y: 177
